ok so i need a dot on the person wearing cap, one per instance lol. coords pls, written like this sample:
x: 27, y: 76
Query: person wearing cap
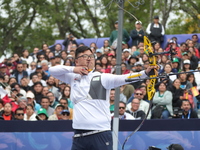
x: 187, y: 65
x: 156, y: 31
x: 114, y: 35
x: 69, y: 41
x: 42, y: 114
x: 57, y: 113
x: 127, y: 55
x: 65, y: 115
x: 3, y: 69
x: 137, y: 34
x: 31, y: 100
x: 90, y: 96
x: 64, y: 101
x: 175, y: 65
x: 99, y: 53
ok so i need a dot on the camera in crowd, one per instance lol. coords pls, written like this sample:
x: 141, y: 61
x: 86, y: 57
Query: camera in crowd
x: 178, y: 112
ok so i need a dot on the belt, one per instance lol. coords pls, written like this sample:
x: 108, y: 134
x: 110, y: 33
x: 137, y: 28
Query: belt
x: 88, y: 133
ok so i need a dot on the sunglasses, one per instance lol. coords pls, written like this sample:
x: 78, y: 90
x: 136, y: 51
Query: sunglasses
x: 138, y: 93
x: 121, y: 107
x: 20, y: 114
x: 65, y: 114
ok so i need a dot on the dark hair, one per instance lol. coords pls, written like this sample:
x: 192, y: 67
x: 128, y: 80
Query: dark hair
x: 36, y: 83
x: 14, y: 84
x: 81, y: 50
x: 30, y: 106
x: 21, y: 109
x: 1, y: 101
x: 122, y: 103
x: 194, y: 35
x: 49, y: 92
x: 45, y: 97
x: 64, y: 98
x: 63, y: 94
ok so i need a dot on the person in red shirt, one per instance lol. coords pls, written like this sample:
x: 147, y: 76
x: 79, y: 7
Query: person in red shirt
x: 7, y: 113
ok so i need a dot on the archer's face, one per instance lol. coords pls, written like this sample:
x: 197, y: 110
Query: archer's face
x: 85, y: 62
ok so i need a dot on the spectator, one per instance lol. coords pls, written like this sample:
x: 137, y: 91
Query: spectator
x: 127, y: 55
x: 58, y: 48
x: 25, y: 56
x: 185, y: 85
x: 64, y: 101
x: 53, y: 101
x: 18, y: 88
x: 7, y: 113
x: 19, y: 114
x: 65, y: 115
x: 45, y: 68
x: 163, y: 99
x: 34, y: 54
x: 51, y: 86
x: 137, y: 34
x: 156, y: 31
x: 35, y: 79
x: 188, y: 112
x: 106, y: 68
x: 124, y: 69
x: 45, y: 103
x: 99, y: 53
x: 114, y: 34
x: 177, y: 93
x: 57, y: 115
x: 175, y: 65
x: 168, y: 70
x: 63, y: 55
x: 37, y: 90
x: 69, y: 41
x: 42, y: 114
x: 143, y: 104
x: 22, y: 101
x: 30, y: 114
x: 105, y: 45
x: 31, y: 101
x: 195, y: 39
x: 3, y: 69
x: 135, y: 111
x: 20, y: 72
x: 191, y: 44
x: 66, y: 93
x: 45, y: 47
x: 123, y: 115
x: 24, y: 84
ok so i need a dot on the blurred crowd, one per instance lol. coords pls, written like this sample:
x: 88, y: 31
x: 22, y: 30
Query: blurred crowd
x: 29, y: 92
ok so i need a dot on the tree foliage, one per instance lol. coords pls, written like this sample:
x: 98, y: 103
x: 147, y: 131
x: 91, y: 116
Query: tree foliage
x: 29, y: 23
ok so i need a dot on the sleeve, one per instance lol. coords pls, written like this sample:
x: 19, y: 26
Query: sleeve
x: 63, y: 73
x: 165, y: 100
x: 110, y: 81
x: 163, y: 30
x: 111, y: 39
x: 148, y: 29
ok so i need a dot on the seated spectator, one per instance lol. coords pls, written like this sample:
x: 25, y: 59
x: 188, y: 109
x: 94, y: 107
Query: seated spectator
x: 7, y: 113
x: 51, y: 85
x: 19, y: 72
x: 42, y: 114
x: 175, y: 65
x: 57, y: 115
x: 53, y: 100
x: 106, y: 68
x: 45, y: 90
x: 65, y: 115
x: 123, y: 115
x: 64, y: 101
x: 24, y: 84
x: 168, y: 70
x: 22, y: 101
x: 30, y: 114
x: 31, y: 101
x: 45, y: 103
x: 177, y: 93
x: 25, y: 56
x: 37, y: 90
x: 124, y: 69
x: 135, y: 111
x: 143, y: 104
x: 162, y: 99
x: 18, y: 88
x: 19, y: 114
x: 34, y: 79
x: 66, y: 94
x: 188, y: 112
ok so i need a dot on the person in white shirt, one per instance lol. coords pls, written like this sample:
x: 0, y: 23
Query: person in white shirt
x: 90, y: 95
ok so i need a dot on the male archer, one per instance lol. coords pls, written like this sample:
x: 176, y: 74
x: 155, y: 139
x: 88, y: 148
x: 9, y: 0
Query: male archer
x: 90, y: 95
